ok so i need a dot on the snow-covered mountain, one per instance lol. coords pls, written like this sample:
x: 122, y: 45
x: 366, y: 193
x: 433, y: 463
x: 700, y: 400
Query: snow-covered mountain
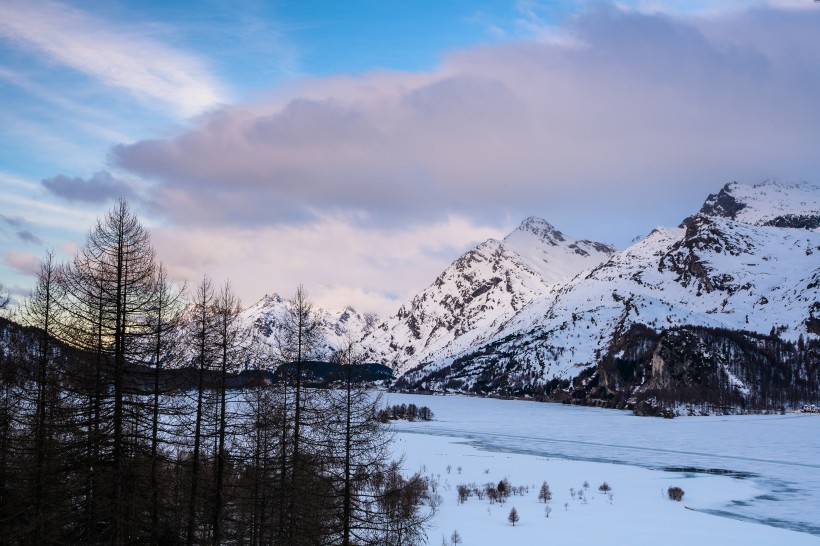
x: 265, y: 317
x: 478, y: 293
x: 749, y: 262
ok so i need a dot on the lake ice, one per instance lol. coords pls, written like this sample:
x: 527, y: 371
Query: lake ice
x: 753, y: 479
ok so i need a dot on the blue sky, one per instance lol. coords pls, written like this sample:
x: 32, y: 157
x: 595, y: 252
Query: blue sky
x: 359, y: 147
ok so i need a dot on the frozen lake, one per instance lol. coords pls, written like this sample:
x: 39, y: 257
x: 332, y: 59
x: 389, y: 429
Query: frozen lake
x: 778, y: 454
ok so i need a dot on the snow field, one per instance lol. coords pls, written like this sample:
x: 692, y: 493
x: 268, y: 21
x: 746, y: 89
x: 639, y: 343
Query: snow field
x: 771, y: 461
x: 639, y: 512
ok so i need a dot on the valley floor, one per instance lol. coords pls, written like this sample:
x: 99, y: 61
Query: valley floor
x: 747, y: 479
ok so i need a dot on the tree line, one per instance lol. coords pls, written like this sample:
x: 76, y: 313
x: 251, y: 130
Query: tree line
x: 90, y: 455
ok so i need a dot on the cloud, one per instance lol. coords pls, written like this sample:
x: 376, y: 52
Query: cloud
x: 100, y: 188
x: 19, y: 223
x: 13, y: 221
x: 338, y: 263
x: 23, y: 262
x: 638, y: 117
x: 28, y: 237
x: 118, y: 56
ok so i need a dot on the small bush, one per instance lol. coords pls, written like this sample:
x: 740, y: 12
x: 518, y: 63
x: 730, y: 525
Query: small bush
x: 675, y: 493
x: 604, y: 488
x: 463, y: 493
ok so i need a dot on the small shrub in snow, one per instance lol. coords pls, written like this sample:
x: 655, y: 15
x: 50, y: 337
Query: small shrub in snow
x: 604, y: 488
x: 572, y: 492
x: 449, y: 468
x: 566, y: 506
x: 586, y: 484
x: 434, y: 500
x: 547, y: 510
x: 463, y: 493
x: 492, y: 492
x: 675, y: 493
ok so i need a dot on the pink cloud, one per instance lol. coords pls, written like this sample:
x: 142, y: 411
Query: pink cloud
x: 637, y: 115
x: 24, y: 262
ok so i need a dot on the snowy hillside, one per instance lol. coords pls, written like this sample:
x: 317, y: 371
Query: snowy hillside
x: 768, y: 204
x: 474, y: 297
x: 265, y: 317
x: 731, y: 267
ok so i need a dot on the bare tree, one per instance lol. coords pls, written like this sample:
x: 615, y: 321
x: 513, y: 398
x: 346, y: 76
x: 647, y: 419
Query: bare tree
x: 201, y: 338
x: 544, y: 494
x: 297, y: 341
x: 111, y: 286
x: 39, y: 312
x: 164, y: 321
x: 513, y: 517
x: 229, y: 342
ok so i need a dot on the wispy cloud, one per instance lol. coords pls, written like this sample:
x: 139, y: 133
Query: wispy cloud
x: 20, y: 225
x: 113, y: 54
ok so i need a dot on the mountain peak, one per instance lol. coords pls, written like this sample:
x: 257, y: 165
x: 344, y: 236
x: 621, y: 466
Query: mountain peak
x: 540, y: 228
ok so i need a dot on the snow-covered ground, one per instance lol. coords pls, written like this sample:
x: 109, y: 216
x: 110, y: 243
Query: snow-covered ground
x: 763, y: 486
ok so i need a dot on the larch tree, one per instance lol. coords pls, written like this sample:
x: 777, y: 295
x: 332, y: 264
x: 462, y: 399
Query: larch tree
x: 201, y: 337
x: 513, y: 517
x: 39, y: 312
x: 161, y: 350
x: 229, y: 340
x: 297, y: 340
x: 111, y: 287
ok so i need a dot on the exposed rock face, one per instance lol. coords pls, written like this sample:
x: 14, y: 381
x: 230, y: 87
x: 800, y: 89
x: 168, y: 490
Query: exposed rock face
x: 723, y: 204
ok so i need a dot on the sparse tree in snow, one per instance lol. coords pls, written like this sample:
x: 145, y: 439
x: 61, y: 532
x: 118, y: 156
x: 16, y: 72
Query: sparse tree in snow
x: 513, y: 517
x: 455, y: 538
x: 544, y: 494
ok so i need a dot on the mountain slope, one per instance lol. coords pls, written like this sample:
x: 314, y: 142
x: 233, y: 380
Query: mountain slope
x: 738, y: 265
x: 265, y: 317
x: 479, y: 292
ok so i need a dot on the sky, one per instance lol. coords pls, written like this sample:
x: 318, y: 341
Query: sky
x: 359, y: 147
